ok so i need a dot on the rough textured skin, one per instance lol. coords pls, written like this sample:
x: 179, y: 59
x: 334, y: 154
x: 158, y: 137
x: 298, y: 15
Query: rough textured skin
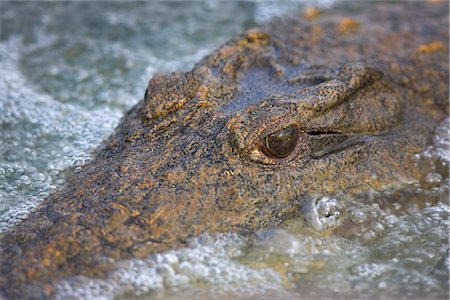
x: 365, y: 88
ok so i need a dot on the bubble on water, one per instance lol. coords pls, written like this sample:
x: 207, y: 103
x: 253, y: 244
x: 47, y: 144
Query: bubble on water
x: 433, y: 179
x: 369, y: 270
x: 52, y: 125
x: 278, y: 241
x: 358, y: 216
x: 441, y: 141
x: 400, y: 246
x: 323, y: 212
x: 209, y: 260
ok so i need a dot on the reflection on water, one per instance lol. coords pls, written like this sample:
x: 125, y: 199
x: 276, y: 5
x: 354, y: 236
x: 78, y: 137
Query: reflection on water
x: 70, y: 71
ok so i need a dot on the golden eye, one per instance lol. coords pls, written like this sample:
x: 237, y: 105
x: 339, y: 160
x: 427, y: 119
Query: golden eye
x: 281, y: 143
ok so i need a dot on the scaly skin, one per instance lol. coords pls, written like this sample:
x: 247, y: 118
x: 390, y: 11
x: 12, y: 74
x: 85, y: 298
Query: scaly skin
x: 365, y: 92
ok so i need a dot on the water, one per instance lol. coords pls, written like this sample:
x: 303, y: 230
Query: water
x: 70, y: 70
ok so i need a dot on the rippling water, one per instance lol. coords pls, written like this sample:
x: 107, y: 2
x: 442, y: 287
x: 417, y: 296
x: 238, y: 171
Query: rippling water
x: 70, y: 70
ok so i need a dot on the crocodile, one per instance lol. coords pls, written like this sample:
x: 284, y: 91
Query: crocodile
x: 318, y: 102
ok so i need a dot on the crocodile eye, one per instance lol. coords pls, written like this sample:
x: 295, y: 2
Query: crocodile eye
x: 281, y: 143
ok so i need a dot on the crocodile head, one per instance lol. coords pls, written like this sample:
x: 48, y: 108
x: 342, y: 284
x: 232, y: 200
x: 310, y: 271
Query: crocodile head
x: 233, y: 145
x: 240, y: 156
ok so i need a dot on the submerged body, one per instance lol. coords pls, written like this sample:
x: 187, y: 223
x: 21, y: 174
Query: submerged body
x: 317, y: 105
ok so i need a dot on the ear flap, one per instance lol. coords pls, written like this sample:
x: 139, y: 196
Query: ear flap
x: 167, y: 93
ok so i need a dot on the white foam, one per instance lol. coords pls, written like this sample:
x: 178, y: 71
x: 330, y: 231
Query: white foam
x: 286, y: 263
x: 208, y: 262
x: 41, y: 137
